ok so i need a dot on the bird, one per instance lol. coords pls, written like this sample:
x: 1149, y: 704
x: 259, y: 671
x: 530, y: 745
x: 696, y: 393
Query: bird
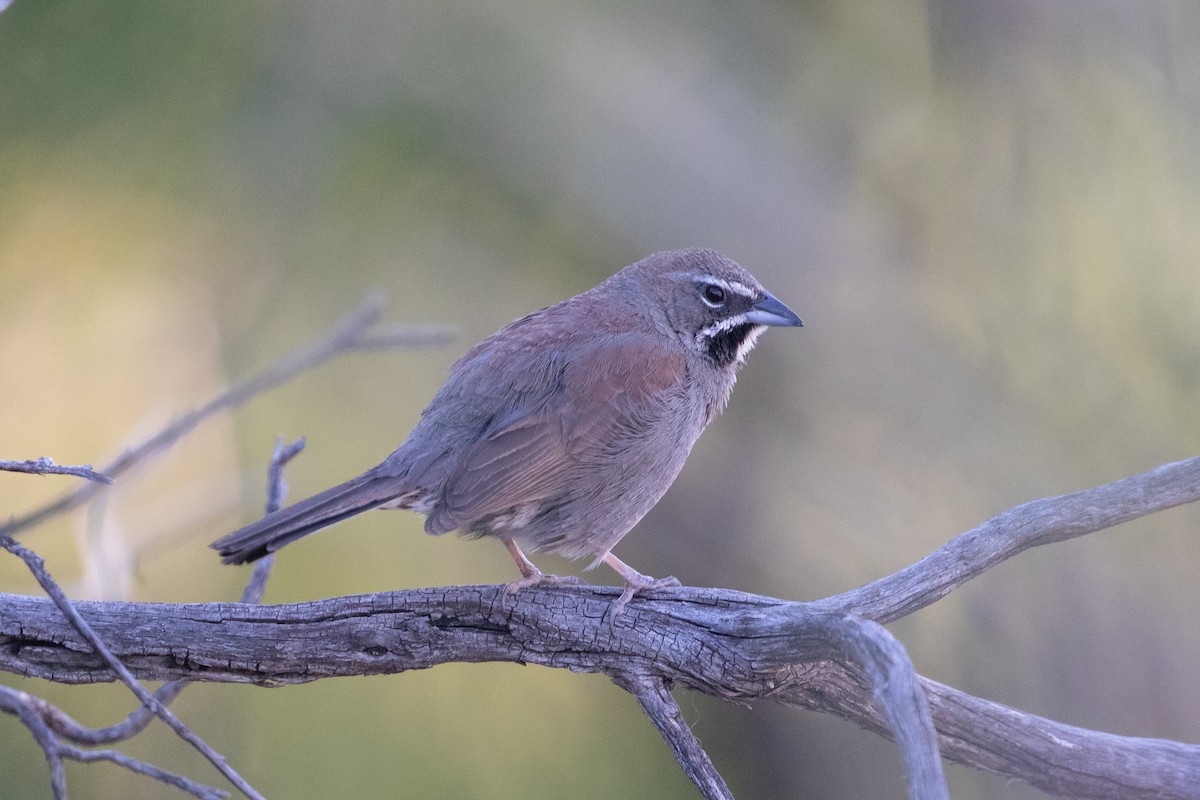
x: 560, y: 431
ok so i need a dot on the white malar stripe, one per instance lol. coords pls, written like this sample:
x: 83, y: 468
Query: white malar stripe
x: 721, y: 325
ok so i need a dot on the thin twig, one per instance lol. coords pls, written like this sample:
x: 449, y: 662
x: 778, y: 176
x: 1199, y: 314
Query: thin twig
x: 40, y: 718
x: 64, y: 725
x: 37, y: 567
x: 276, y: 492
x: 142, y: 768
x: 46, y: 466
x: 655, y: 699
x: 351, y: 334
x: 54, y: 722
x: 11, y: 701
x: 276, y: 485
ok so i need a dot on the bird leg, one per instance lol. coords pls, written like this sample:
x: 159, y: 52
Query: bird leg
x: 635, y: 582
x: 531, y: 575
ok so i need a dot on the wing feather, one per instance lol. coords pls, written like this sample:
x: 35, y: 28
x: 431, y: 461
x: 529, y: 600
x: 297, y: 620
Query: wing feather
x: 612, y: 391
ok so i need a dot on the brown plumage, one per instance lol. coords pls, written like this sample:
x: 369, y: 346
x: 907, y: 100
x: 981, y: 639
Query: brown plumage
x: 562, y: 429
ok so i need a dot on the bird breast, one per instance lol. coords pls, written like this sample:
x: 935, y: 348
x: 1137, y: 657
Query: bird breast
x: 565, y: 448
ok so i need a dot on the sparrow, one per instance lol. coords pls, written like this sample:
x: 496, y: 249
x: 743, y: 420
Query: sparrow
x: 561, y: 430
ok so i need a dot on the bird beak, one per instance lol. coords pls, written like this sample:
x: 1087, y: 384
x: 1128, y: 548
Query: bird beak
x: 769, y: 311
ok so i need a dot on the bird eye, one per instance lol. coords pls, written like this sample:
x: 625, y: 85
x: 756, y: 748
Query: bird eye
x: 714, y: 295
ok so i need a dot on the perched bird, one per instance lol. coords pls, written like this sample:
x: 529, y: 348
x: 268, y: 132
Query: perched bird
x: 561, y: 430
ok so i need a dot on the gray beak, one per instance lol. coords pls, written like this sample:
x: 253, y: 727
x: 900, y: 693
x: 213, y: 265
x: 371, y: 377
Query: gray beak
x: 769, y: 311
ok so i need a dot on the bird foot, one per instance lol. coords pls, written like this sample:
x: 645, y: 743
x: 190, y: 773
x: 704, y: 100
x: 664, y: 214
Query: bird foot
x: 530, y: 575
x: 635, y: 583
x: 635, y: 586
x: 536, y: 578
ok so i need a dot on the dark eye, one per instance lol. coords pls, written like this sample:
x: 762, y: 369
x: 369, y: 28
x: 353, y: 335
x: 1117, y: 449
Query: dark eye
x: 714, y: 295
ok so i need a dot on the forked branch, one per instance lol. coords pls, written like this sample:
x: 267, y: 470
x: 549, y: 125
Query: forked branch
x: 724, y: 643
x: 59, y: 735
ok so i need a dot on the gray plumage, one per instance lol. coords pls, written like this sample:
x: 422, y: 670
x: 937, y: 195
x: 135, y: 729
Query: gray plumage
x: 562, y: 429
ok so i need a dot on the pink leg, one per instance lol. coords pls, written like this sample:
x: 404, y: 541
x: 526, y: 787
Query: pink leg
x: 531, y: 575
x: 635, y: 582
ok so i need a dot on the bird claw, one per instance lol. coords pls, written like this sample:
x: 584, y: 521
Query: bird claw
x: 534, y: 579
x: 642, y: 583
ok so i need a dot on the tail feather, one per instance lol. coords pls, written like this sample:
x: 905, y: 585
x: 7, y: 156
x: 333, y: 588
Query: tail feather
x: 277, y: 529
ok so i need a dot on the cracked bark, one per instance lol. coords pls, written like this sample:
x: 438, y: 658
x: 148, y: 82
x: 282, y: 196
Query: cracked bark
x: 830, y: 655
x: 724, y: 643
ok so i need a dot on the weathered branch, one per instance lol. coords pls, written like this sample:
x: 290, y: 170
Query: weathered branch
x: 98, y: 646
x: 726, y: 644
x: 49, y: 725
x: 1051, y: 519
x: 830, y: 655
x: 34, y: 713
x: 46, y: 466
x: 353, y: 333
x: 654, y: 696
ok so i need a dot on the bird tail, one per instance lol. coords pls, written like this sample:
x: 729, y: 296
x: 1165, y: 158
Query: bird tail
x: 367, y: 491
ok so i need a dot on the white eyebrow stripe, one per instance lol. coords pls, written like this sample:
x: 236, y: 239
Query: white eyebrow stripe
x: 732, y: 286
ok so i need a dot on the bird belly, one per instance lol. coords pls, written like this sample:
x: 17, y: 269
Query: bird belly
x: 510, y: 522
x: 607, y: 495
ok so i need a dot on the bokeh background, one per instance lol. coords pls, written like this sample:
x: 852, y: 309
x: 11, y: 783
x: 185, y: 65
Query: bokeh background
x: 986, y: 211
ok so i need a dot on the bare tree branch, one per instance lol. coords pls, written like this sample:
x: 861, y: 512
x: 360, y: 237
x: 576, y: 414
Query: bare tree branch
x: 898, y: 695
x: 55, y: 593
x: 276, y: 492
x: 354, y: 333
x: 12, y: 702
x: 1086, y: 763
x: 47, y: 722
x: 830, y: 655
x: 726, y: 644
x: 32, y: 711
x: 655, y: 698
x: 1051, y: 519
x: 64, y: 725
x: 46, y: 466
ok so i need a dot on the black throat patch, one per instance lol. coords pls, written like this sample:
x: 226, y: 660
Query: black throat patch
x: 723, y: 346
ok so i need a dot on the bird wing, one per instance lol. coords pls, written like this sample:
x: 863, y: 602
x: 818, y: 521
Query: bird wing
x: 611, y: 391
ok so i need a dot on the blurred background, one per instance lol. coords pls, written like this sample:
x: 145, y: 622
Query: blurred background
x: 986, y: 211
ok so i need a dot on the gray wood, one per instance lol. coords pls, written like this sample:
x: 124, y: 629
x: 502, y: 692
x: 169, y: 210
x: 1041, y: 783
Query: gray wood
x: 828, y: 656
x: 726, y: 644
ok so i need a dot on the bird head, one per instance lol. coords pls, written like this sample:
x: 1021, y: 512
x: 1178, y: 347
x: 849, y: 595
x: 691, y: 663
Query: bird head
x: 707, y: 301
